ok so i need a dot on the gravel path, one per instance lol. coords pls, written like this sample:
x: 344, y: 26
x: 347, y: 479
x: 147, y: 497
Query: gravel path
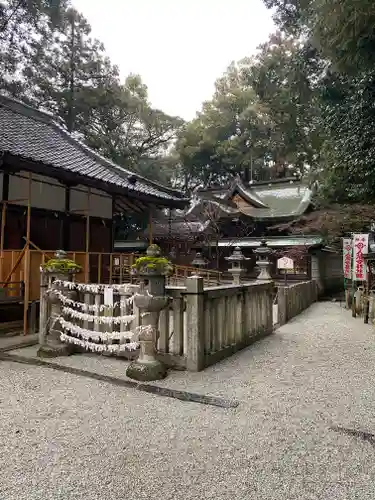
x: 67, y: 437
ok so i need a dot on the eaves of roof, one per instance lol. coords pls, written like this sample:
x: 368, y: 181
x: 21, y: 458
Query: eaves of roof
x: 35, y: 137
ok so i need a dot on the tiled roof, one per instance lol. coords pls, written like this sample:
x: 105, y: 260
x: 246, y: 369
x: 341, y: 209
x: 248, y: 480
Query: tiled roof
x: 283, y: 200
x: 179, y: 230
x: 236, y: 187
x: 178, y: 227
x: 268, y: 200
x: 210, y: 206
x: 34, y: 135
x: 273, y: 242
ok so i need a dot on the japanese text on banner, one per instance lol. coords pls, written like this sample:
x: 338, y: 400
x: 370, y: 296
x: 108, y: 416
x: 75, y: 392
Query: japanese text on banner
x: 360, y: 245
x: 347, y: 257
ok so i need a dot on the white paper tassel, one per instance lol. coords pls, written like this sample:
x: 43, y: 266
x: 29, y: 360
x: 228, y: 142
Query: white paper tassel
x: 90, y: 346
x: 94, y: 287
x: 106, y: 337
x: 108, y: 320
x: 87, y: 307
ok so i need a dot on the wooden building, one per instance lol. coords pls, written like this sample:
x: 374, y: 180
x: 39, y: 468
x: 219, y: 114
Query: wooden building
x: 221, y: 218
x: 59, y: 194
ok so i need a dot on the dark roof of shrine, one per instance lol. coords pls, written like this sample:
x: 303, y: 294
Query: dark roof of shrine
x: 178, y: 227
x: 275, y: 199
x: 35, y: 137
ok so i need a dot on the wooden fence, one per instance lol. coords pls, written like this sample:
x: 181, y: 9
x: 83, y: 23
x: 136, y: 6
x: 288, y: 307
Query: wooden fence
x: 294, y: 299
x: 23, y: 266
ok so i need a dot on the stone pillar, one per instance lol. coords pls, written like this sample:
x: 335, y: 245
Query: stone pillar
x: 50, y: 345
x: 282, y: 305
x: 195, y: 323
x: 150, y: 301
x: 43, y: 309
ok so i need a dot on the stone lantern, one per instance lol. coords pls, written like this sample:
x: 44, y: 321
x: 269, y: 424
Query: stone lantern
x: 150, y: 300
x: 263, y: 252
x: 199, y: 261
x: 62, y: 269
x: 236, y: 260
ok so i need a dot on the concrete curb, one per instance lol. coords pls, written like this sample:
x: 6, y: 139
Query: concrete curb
x: 152, y: 389
x: 18, y: 344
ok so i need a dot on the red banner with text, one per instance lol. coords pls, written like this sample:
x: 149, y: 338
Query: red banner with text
x: 360, y: 247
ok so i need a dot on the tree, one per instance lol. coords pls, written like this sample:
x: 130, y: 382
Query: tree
x: 341, y: 33
x: 343, y: 30
x: 284, y: 76
x: 123, y: 126
x: 28, y: 11
x: 349, y: 151
x: 262, y: 122
x: 227, y: 137
x: 333, y: 221
x: 67, y: 70
x: 56, y: 65
x: 20, y: 22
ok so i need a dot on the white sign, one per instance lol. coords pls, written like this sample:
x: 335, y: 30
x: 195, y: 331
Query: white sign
x: 360, y: 247
x: 108, y: 296
x: 285, y: 263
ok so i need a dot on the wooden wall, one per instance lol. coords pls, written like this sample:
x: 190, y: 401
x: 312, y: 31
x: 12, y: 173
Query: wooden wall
x: 46, y: 231
x: 49, y: 194
x: 58, y: 214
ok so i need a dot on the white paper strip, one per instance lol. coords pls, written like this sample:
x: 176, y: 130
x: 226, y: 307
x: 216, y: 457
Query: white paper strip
x: 108, y: 296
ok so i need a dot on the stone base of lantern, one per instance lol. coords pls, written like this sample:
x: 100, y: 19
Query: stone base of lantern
x: 264, y: 274
x: 146, y: 371
x: 55, y: 350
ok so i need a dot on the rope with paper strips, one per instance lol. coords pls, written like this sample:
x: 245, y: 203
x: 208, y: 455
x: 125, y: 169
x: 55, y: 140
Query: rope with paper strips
x: 77, y: 316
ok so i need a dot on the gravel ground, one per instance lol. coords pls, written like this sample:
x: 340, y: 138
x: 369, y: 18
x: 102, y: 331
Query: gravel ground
x: 67, y: 437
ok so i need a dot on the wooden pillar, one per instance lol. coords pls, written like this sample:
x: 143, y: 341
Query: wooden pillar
x: 27, y: 259
x: 5, y: 194
x: 150, y: 238
x: 309, y: 261
x: 112, y: 241
x: 2, y: 236
x: 66, y: 222
x: 5, y: 198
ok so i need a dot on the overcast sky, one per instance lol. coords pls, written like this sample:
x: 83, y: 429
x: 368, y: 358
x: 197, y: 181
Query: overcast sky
x: 179, y: 47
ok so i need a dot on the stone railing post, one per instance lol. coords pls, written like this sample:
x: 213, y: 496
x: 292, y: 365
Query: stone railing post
x: 51, y: 345
x: 150, y: 301
x: 195, y: 323
x: 51, y: 309
x: 282, y: 305
x: 269, y: 310
x: 43, y: 308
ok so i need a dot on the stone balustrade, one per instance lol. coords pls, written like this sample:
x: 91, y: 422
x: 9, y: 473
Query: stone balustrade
x: 205, y: 325
x: 293, y: 299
